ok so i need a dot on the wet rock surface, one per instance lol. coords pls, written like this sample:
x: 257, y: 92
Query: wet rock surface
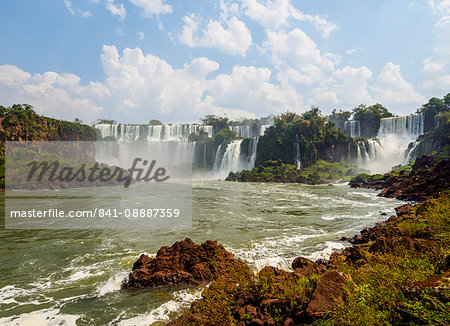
x: 182, y: 263
x: 429, y: 176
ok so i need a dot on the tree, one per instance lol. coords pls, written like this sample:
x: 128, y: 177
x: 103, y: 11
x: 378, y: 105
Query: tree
x: 369, y: 117
x: 218, y: 123
x: 155, y: 122
x: 76, y: 120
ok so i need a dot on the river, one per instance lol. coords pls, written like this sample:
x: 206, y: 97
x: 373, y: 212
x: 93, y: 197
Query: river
x: 73, y: 277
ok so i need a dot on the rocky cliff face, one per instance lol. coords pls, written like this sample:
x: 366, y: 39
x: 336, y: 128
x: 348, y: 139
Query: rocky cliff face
x: 22, y: 123
x: 429, y: 176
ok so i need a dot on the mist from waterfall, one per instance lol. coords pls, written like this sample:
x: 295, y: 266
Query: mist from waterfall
x: 170, y: 146
x: 390, y: 148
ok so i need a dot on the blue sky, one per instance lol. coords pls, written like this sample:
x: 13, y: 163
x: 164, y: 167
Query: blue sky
x: 135, y: 60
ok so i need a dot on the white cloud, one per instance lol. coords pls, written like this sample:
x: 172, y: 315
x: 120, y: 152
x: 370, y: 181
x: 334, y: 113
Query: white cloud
x: 351, y: 85
x: 442, y: 6
x: 116, y: 10
x: 296, y: 50
x: 273, y: 14
x: 152, y: 7
x: 350, y: 51
x: 75, y: 11
x: 141, y: 35
x: 139, y: 87
x: 52, y: 94
x: 144, y: 86
x: 234, y: 38
x: 437, y: 66
x: 250, y: 88
x: 392, y: 89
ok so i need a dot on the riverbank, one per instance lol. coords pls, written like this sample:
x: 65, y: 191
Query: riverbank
x: 396, y: 272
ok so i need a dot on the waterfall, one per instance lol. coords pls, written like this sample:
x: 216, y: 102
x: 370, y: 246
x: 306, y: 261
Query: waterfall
x: 233, y: 159
x: 353, y: 127
x: 218, y: 158
x: 297, y: 157
x: 262, y: 129
x: 391, y: 146
x: 247, y: 131
x: 127, y: 133
x: 406, y: 125
x: 252, y: 148
x: 369, y: 152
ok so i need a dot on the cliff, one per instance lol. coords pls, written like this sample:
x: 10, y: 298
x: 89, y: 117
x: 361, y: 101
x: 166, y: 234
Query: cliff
x: 22, y: 123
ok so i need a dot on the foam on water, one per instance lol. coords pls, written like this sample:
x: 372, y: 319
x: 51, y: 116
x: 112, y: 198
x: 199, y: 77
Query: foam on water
x: 48, y: 317
x: 181, y: 299
x: 113, y: 284
x: 325, y: 253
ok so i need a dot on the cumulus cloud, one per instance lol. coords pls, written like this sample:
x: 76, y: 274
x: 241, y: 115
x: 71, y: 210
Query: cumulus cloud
x: 273, y: 14
x: 116, y: 9
x: 231, y: 36
x: 139, y: 87
x: 152, y: 7
x: 297, y: 57
x: 52, y: 94
x: 145, y: 85
x: 392, y: 89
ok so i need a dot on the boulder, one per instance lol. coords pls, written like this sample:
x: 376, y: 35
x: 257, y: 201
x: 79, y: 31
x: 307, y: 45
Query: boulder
x: 183, y: 262
x: 329, y: 293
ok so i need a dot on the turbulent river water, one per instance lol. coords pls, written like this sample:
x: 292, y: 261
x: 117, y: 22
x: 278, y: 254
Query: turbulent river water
x: 62, y: 277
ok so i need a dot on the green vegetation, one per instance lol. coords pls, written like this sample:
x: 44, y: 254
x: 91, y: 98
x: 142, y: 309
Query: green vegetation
x: 277, y: 171
x: 384, y: 282
x: 319, y: 140
x: 218, y: 123
x: 21, y: 123
x: 369, y: 117
x: 106, y: 121
x: 326, y: 172
x: 434, y: 107
x: 155, y: 122
x: 269, y: 171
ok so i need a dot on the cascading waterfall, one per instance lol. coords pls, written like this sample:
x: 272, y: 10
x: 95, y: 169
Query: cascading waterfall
x: 353, y: 127
x: 127, y: 133
x: 297, y: 157
x: 391, y: 146
x: 406, y: 125
x: 248, y: 131
x: 233, y: 159
x: 165, y: 143
x: 169, y: 144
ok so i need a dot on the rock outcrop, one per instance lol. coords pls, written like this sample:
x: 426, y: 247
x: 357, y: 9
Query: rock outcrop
x: 430, y: 175
x: 183, y: 263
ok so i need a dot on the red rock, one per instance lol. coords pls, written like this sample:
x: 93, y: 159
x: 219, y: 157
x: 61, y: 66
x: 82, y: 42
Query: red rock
x: 329, y: 293
x: 301, y: 262
x: 404, y: 210
x: 183, y: 262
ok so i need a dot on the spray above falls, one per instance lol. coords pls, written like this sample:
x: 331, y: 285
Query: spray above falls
x: 390, y: 147
x: 171, y: 143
